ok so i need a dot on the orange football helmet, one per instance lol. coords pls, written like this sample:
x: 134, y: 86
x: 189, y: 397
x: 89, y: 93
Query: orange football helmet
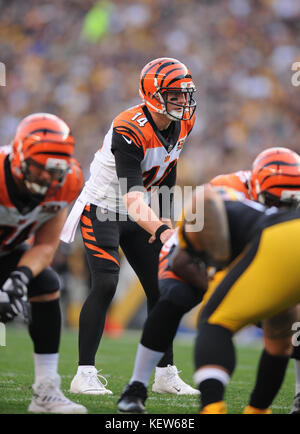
x: 162, y: 76
x: 42, y: 151
x: 275, y: 178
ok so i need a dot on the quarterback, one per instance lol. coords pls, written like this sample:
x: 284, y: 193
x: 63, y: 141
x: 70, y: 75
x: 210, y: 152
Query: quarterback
x: 139, y: 154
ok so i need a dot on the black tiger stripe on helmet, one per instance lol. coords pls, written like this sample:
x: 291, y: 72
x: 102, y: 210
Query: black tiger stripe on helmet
x: 275, y: 178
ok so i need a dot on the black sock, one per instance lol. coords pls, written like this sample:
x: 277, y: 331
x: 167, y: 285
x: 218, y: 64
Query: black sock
x: 91, y: 326
x: 92, y: 316
x: 45, y: 326
x: 212, y: 390
x: 160, y: 328
x: 270, y: 374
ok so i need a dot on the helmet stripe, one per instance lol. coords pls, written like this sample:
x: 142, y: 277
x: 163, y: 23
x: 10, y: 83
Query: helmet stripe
x: 146, y: 72
x: 179, y: 77
x: 274, y: 185
x: 287, y: 186
x: 279, y: 163
x: 169, y: 72
x: 50, y: 141
x: 162, y: 66
x: 63, y: 154
x: 46, y: 130
x: 265, y: 155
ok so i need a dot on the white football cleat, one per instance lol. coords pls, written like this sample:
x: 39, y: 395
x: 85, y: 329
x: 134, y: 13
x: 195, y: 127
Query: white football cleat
x: 167, y: 380
x: 48, y: 398
x: 88, y: 382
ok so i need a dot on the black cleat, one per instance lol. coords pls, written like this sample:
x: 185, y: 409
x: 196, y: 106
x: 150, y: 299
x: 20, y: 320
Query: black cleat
x: 296, y: 405
x: 133, y: 398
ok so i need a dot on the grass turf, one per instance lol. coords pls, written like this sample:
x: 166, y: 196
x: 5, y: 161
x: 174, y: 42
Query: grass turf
x: 115, y: 359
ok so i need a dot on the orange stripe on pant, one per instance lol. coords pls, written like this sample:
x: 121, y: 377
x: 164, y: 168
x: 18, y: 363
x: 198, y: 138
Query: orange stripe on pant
x: 86, y: 221
x: 163, y: 272
x: 86, y: 233
x: 101, y: 253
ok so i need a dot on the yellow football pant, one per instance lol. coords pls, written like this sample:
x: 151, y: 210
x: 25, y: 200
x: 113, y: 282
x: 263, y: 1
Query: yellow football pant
x: 263, y: 281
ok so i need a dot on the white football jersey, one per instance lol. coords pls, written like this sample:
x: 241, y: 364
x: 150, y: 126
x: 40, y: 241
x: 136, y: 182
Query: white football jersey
x: 103, y: 186
x: 17, y: 227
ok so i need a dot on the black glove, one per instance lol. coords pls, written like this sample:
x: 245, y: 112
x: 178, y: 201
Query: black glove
x: 13, y: 295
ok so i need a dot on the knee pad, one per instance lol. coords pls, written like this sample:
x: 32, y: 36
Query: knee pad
x: 180, y: 294
x: 47, y: 282
x: 105, y: 284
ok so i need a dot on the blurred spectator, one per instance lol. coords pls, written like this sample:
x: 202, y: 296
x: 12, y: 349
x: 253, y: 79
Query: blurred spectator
x: 81, y: 59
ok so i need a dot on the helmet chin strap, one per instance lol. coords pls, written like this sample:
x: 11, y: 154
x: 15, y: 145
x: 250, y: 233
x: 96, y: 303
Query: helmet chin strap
x: 175, y: 115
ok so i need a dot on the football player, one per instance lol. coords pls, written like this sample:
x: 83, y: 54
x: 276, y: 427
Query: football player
x: 258, y: 285
x: 39, y: 178
x: 240, y: 236
x: 273, y: 181
x: 183, y: 290
x: 138, y: 156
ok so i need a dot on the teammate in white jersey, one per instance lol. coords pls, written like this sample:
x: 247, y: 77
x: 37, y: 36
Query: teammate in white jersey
x: 139, y: 154
x: 38, y: 178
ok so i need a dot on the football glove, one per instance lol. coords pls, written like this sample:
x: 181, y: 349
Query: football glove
x: 13, y: 297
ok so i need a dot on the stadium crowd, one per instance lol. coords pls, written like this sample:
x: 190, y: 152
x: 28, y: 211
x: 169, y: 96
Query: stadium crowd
x: 81, y: 60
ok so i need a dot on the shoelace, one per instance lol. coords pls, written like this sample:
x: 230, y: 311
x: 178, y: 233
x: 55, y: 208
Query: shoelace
x: 173, y: 372
x: 173, y: 375
x: 94, y: 379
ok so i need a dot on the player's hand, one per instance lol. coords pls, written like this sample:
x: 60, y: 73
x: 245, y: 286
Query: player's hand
x: 166, y: 235
x: 163, y: 236
x: 13, y: 297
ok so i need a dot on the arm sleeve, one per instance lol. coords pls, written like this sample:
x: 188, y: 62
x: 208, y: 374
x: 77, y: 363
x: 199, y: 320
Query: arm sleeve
x: 166, y: 203
x: 128, y: 157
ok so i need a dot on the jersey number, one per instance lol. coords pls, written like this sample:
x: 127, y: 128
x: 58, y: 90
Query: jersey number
x: 141, y: 121
x: 150, y: 174
x: 7, y: 234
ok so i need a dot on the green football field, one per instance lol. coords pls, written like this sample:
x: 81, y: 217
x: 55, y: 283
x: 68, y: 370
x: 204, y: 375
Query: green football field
x: 115, y: 359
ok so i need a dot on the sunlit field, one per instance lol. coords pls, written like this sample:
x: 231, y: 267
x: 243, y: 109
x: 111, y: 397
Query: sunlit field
x: 115, y: 360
